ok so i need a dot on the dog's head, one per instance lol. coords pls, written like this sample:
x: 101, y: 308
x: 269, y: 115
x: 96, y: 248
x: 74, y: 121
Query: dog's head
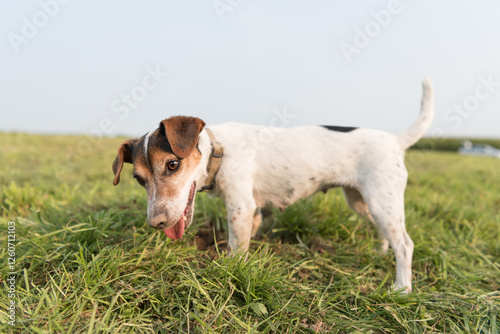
x: 165, y: 161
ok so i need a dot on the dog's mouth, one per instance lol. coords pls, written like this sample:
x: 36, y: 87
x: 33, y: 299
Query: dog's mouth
x: 175, y: 232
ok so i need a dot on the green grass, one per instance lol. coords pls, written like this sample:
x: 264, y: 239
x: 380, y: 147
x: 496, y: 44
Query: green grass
x: 450, y: 144
x: 88, y: 263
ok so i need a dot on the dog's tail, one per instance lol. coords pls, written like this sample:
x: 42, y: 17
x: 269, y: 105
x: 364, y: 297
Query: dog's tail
x: 418, y: 129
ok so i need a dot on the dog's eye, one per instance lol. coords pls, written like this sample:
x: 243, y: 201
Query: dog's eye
x: 140, y: 180
x: 173, y: 165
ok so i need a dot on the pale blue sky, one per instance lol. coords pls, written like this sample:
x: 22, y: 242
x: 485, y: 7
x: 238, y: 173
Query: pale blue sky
x: 74, y: 74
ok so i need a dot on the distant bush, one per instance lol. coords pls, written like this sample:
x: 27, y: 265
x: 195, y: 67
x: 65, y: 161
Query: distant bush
x: 449, y: 144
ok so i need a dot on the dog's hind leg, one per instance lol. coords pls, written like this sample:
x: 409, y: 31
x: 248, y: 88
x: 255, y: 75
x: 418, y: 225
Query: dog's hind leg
x: 358, y: 204
x: 387, y: 210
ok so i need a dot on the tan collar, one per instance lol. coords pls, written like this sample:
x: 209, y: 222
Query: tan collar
x: 213, y: 161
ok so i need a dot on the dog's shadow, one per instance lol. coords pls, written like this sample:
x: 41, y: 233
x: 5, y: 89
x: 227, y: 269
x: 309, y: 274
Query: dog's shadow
x: 211, y: 239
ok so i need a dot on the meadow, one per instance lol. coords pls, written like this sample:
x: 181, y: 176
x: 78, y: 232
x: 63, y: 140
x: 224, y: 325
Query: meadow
x: 87, y: 262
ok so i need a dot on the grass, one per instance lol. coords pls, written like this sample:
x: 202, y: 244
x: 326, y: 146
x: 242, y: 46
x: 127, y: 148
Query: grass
x: 450, y: 144
x: 87, y: 262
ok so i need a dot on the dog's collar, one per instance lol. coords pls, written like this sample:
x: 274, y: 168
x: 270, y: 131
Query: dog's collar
x: 213, y: 161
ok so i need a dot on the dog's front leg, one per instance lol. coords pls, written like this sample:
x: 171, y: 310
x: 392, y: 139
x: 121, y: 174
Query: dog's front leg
x: 240, y: 217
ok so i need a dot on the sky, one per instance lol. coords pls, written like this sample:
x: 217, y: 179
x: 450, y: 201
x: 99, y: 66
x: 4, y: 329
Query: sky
x: 120, y: 67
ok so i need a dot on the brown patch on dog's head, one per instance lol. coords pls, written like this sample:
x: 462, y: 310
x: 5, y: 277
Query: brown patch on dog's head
x: 176, y: 137
x: 182, y: 133
x: 125, y: 154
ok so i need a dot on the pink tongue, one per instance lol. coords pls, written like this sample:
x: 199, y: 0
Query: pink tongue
x: 175, y: 232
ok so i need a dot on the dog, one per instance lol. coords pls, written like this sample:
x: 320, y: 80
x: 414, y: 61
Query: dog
x: 182, y: 156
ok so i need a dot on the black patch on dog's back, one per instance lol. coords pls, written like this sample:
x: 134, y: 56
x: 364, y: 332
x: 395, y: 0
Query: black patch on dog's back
x: 339, y: 128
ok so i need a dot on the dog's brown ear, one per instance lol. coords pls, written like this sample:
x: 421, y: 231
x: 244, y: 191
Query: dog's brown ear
x: 124, y: 155
x: 182, y: 133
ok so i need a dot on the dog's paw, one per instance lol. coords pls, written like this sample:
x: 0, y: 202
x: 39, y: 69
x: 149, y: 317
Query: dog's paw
x: 384, y: 246
x: 404, y: 290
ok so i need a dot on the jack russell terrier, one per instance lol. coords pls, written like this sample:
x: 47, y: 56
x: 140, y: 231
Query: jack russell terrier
x: 182, y: 157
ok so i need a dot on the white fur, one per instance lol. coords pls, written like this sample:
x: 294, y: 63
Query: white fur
x: 146, y: 141
x: 153, y: 197
x: 276, y: 166
x: 174, y: 206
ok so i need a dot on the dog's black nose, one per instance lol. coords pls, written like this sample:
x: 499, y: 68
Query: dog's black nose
x: 161, y: 225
